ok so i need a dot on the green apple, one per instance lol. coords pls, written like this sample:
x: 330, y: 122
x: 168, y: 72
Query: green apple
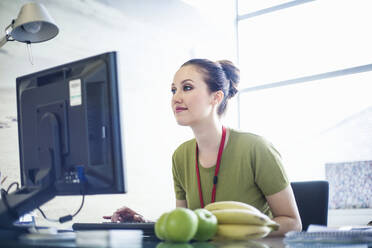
x: 160, y: 226
x: 207, y: 225
x: 173, y: 245
x: 181, y: 225
x: 205, y: 245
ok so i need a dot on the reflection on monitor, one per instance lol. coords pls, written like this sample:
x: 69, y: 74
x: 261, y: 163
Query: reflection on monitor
x: 69, y: 134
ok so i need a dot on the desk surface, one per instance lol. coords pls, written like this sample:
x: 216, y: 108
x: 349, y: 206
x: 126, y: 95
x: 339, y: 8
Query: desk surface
x: 122, y: 238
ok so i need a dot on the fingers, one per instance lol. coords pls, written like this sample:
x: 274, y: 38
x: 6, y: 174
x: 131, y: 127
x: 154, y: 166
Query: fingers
x: 115, y: 217
x: 138, y: 218
x: 126, y: 211
x: 125, y: 214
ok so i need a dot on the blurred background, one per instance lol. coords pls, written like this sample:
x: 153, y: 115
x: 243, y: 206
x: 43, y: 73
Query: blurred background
x: 306, y: 71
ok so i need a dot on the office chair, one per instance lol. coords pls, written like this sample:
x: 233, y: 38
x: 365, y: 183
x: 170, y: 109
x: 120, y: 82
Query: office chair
x: 312, y: 202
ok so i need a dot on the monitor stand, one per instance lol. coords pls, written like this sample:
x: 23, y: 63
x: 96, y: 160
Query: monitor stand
x: 26, y: 199
x: 14, y: 205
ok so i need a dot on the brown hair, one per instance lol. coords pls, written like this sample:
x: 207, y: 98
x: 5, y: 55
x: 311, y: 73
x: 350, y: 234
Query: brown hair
x: 220, y: 75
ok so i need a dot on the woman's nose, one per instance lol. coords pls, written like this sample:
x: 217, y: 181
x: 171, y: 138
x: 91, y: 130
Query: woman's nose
x: 176, y: 97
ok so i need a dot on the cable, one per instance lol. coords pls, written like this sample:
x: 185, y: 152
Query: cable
x: 62, y: 219
x: 45, y: 217
x: 81, y: 176
x: 3, y: 192
x: 81, y: 206
x: 4, y: 198
x: 65, y: 218
x: 11, y: 185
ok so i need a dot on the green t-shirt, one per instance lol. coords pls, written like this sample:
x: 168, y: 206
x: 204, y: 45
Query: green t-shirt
x: 250, y: 169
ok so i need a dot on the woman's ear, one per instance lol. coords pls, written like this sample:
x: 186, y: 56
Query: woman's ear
x: 218, y: 97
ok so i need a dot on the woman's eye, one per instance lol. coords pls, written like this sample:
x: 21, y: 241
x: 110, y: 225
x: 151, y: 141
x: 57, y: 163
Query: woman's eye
x: 187, y: 88
x: 173, y: 90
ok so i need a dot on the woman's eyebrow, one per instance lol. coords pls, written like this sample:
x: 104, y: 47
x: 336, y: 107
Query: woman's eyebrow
x: 186, y: 80
x: 183, y: 82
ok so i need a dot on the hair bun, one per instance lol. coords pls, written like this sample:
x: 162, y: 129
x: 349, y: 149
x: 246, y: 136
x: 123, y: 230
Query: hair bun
x: 232, y: 74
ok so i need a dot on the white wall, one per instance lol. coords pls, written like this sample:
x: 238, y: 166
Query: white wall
x: 153, y: 39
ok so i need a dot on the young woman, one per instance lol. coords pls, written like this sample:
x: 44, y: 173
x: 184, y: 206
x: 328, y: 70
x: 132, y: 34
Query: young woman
x: 222, y: 164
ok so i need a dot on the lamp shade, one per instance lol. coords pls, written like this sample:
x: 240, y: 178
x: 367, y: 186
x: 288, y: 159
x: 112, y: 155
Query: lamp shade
x: 33, y: 24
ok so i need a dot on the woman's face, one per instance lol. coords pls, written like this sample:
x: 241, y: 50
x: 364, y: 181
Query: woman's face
x: 191, y: 102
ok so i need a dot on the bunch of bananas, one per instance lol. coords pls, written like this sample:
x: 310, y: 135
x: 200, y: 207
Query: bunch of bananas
x: 240, y: 221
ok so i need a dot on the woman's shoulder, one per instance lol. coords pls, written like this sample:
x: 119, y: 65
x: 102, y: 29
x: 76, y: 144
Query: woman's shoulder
x: 253, y: 141
x: 185, y: 147
x: 247, y: 137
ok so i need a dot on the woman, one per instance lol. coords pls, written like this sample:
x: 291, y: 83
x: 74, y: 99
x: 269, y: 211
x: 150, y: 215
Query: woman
x: 222, y: 164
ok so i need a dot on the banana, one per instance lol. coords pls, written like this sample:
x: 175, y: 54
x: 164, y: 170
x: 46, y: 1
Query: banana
x: 242, y: 232
x: 230, y: 205
x: 223, y: 243
x: 244, y: 217
x: 240, y: 221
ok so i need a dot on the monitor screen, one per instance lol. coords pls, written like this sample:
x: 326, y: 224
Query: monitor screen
x: 69, y: 128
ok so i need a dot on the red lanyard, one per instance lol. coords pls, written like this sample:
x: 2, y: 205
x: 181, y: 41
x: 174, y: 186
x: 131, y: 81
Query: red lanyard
x: 220, y: 150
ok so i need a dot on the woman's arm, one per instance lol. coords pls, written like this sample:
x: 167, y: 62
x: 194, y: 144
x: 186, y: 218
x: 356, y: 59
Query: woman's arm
x: 181, y: 204
x: 284, y: 208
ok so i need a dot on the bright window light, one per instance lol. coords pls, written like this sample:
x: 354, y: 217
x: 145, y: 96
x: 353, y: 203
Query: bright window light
x: 313, y: 122
x: 306, y: 39
x: 302, y: 121
x: 248, y: 6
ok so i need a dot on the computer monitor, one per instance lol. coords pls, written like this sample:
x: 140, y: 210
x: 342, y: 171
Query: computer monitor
x: 69, y: 132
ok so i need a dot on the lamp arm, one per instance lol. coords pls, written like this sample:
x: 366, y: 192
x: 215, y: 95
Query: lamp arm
x: 7, y: 37
x: 3, y: 40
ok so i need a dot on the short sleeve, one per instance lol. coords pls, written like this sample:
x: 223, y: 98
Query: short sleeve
x: 269, y: 172
x: 178, y: 189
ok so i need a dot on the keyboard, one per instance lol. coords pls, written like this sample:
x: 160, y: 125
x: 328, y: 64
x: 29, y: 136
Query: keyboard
x: 147, y: 228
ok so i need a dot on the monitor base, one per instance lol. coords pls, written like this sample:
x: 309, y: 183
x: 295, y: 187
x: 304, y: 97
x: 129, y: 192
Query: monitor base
x: 13, y: 232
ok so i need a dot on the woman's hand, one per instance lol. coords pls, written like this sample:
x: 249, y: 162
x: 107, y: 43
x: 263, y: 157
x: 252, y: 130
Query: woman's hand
x: 125, y: 214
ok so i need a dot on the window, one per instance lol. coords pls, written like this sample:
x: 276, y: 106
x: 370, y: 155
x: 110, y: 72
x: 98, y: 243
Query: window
x: 306, y: 80
x: 259, y: 6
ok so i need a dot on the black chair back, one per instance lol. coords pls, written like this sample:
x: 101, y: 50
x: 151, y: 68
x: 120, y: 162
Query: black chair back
x: 312, y: 202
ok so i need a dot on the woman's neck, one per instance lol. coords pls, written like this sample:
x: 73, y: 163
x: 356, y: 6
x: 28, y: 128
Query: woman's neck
x: 208, y: 136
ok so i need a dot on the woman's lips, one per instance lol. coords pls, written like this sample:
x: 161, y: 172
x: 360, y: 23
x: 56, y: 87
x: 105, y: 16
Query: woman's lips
x: 180, y: 109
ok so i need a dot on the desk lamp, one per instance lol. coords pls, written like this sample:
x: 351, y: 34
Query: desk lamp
x: 33, y: 25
